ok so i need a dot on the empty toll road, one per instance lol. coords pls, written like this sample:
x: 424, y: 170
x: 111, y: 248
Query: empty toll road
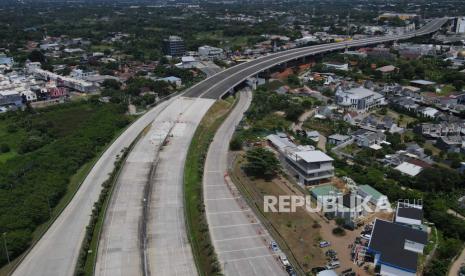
x: 240, y: 240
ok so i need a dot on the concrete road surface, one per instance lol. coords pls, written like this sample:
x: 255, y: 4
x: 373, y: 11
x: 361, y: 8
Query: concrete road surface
x: 57, y: 251
x: 119, y: 248
x: 157, y: 160
x: 168, y: 248
x: 240, y: 240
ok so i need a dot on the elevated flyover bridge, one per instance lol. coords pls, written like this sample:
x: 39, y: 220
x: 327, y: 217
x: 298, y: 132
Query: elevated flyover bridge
x: 121, y: 251
x: 219, y: 84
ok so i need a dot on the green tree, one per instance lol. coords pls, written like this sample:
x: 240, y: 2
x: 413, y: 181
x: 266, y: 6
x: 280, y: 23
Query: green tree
x: 261, y: 163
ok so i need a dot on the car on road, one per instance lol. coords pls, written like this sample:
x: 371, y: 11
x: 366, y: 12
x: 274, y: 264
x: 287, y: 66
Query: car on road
x: 274, y: 246
x: 284, y: 260
x: 290, y: 271
x: 324, y: 244
x: 330, y: 253
x: 333, y: 265
x: 317, y: 269
x: 366, y: 236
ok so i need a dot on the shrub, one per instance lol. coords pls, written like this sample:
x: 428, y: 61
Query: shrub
x: 338, y: 231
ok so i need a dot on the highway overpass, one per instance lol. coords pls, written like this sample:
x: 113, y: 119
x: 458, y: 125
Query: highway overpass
x: 219, y: 84
x: 57, y: 251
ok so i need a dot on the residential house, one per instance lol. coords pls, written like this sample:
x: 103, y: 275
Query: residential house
x: 29, y: 96
x: 337, y: 65
x: 429, y: 112
x: 408, y: 168
x: 10, y: 98
x: 436, y: 130
x: 313, y: 135
x: 338, y: 139
x: 388, y: 69
x: 451, y: 143
x: 350, y: 208
x: 359, y: 99
x: 57, y: 92
x: 210, y: 53
x: 173, y: 80
x: 308, y: 165
x: 422, y: 83
x: 396, y: 247
x: 365, y: 138
x: 350, y: 117
x: 410, y: 214
x: 376, y: 198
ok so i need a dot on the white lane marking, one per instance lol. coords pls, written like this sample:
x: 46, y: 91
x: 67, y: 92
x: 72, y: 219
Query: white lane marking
x: 234, y: 225
x: 228, y: 212
x: 250, y: 258
x: 244, y: 237
x: 223, y: 198
x: 243, y: 249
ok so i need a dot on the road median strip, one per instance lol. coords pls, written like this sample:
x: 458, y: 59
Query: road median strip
x: 196, y: 221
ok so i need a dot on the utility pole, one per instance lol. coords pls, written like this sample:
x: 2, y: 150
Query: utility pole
x: 6, y: 248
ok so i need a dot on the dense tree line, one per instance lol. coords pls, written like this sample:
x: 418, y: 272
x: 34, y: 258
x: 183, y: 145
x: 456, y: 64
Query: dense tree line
x: 34, y: 181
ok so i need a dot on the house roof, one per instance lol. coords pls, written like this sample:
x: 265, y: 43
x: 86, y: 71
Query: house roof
x: 410, y: 211
x: 371, y: 191
x: 423, y: 82
x: 279, y: 142
x: 409, y: 168
x: 311, y: 156
x: 313, y: 133
x: 388, y: 239
x: 387, y: 68
x: 339, y: 137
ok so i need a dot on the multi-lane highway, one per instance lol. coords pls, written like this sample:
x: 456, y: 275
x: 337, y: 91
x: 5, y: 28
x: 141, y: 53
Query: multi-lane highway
x: 219, y: 84
x: 57, y: 251
x: 240, y: 240
x: 153, y: 242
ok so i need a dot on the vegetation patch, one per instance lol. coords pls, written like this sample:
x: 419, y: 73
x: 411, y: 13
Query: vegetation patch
x: 89, y: 246
x: 204, y: 254
x: 53, y: 151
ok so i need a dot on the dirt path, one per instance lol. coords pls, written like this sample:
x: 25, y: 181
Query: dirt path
x: 307, y: 114
x: 454, y: 269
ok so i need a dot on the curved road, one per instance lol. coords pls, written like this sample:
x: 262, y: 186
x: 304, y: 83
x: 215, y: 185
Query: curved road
x: 239, y: 239
x: 219, y: 84
x: 57, y: 251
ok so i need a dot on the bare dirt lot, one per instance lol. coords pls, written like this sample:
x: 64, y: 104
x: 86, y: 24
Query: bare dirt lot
x: 303, y: 230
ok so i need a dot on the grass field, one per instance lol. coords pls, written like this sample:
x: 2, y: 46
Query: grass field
x: 203, y: 250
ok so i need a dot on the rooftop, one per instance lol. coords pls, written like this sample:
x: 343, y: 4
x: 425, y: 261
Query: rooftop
x: 370, y: 191
x: 409, y: 168
x: 410, y: 211
x: 314, y: 156
x: 388, y: 239
x: 422, y: 82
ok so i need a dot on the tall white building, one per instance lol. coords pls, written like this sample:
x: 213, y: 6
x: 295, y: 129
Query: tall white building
x: 209, y: 52
x: 460, y: 25
x: 359, y: 99
x: 309, y: 166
